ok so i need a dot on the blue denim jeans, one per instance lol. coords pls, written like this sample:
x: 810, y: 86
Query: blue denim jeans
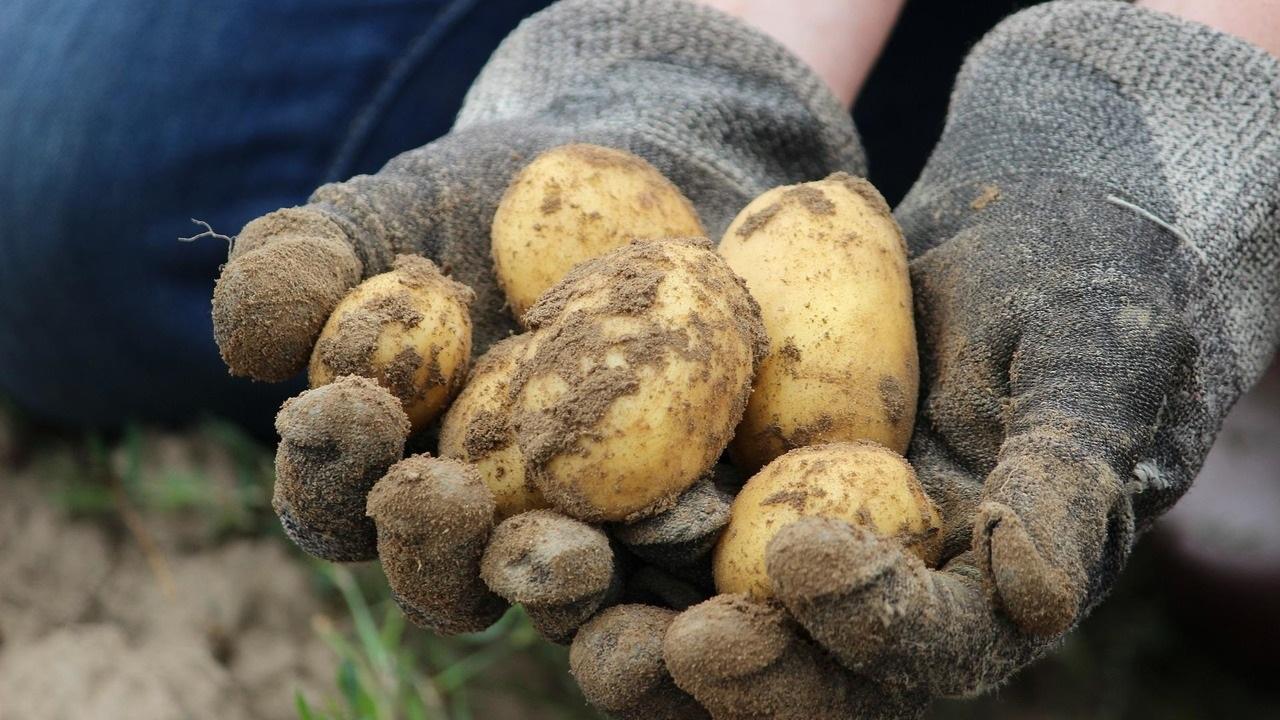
x: 120, y: 120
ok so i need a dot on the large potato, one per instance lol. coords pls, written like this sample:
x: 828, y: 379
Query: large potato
x: 576, y: 202
x: 862, y: 483
x: 409, y: 329
x: 828, y: 265
x: 637, y: 372
x: 477, y: 429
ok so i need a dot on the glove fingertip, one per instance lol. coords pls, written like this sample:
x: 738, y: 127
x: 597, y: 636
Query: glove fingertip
x: 433, y: 518
x: 1038, y: 597
x: 287, y: 272
x: 336, y: 441
x: 616, y: 658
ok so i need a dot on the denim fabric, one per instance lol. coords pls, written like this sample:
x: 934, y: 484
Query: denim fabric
x: 122, y: 119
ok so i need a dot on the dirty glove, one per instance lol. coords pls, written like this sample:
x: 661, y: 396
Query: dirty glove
x: 1096, y: 245
x: 724, y: 112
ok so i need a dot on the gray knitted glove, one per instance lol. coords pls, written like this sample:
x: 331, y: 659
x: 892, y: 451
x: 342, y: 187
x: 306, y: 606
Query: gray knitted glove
x: 724, y: 112
x: 1097, y: 273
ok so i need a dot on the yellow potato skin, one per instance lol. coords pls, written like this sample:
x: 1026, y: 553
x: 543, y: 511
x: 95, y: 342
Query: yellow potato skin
x: 638, y: 370
x: 828, y: 265
x: 863, y: 483
x: 409, y: 329
x: 477, y: 429
x: 576, y: 202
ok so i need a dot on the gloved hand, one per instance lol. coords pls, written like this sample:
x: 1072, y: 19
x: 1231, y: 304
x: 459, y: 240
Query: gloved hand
x: 1096, y: 245
x: 721, y: 110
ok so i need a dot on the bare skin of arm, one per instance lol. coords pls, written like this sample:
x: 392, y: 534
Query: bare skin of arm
x: 839, y: 39
x: 1257, y: 21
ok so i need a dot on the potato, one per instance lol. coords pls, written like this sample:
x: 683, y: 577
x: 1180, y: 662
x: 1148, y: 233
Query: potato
x: 477, y: 429
x: 863, y: 483
x: 638, y: 370
x: 576, y: 202
x: 828, y: 265
x: 409, y: 329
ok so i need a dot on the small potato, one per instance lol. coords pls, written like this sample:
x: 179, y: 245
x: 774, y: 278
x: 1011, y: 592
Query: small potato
x: 409, y: 329
x: 637, y: 372
x: 828, y: 265
x: 576, y: 202
x: 862, y: 483
x: 477, y: 429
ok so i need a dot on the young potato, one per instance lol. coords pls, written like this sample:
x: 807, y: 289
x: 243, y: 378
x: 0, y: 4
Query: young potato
x: 862, y: 483
x: 409, y: 329
x: 638, y: 370
x: 477, y: 429
x: 576, y: 202
x: 828, y: 265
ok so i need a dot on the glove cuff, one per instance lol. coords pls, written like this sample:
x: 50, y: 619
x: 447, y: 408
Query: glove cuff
x: 1210, y: 101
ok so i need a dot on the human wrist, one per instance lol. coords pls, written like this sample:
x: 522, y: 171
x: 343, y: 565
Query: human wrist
x: 1255, y: 21
x: 840, y: 41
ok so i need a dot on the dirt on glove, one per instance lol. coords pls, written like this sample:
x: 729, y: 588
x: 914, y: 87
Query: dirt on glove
x: 433, y: 519
x: 287, y: 271
x: 559, y: 568
x: 617, y: 660
x: 335, y: 442
x: 683, y: 533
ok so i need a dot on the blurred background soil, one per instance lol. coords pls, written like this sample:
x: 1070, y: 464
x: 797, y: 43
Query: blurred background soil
x: 142, y: 576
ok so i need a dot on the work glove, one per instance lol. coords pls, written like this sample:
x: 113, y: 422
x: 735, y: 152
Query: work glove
x: 1096, y: 266
x: 723, y: 111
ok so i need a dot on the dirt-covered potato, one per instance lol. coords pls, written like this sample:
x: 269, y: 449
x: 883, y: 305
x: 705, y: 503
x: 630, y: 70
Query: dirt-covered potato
x: 828, y: 265
x: 477, y: 429
x: 409, y: 329
x: 576, y: 202
x: 862, y: 483
x: 638, y: 370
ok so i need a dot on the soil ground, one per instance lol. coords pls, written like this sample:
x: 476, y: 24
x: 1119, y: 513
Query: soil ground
x: 142, y: 577
x: 109, y: 613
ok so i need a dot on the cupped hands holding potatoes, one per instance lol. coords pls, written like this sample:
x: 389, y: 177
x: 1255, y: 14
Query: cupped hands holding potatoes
x: 622, y: 395
x: 577, y: 464
x: 688, y: 461
x: 581, y: 464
